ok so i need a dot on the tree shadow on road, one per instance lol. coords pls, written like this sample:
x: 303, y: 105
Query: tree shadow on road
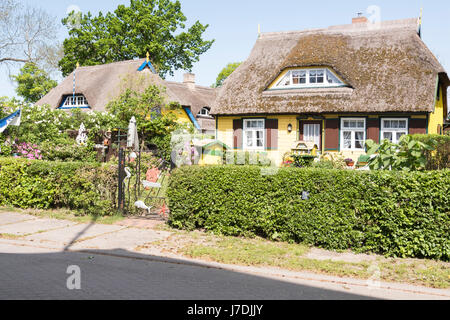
x: 123, y: 275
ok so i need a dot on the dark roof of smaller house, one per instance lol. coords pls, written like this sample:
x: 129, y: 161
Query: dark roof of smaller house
x: 103, y: 83
x: 387, y: 67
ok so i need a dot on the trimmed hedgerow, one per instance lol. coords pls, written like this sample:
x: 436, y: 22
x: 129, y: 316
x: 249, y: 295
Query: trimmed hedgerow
x: 87, y: 187
x: 404, y: 214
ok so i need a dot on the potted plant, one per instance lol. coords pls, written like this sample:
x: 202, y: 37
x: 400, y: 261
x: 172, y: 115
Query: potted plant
x: 350, y: 162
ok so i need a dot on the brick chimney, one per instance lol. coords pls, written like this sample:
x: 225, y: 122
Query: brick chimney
x: 359, y: 19
x: 189, y: 79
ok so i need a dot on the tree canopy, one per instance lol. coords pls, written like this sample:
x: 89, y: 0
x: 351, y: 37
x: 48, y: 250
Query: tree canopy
x: 153, y: 26
x: 33, y: 83
x: 225, y: 73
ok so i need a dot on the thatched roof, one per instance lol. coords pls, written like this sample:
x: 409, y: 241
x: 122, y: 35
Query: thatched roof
x: 103, y: 83
x: 388, y: 69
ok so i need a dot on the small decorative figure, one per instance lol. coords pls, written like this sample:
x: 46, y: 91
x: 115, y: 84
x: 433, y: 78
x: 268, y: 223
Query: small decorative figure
x: 82, y: 136
x: 141, y: 205
x: 133, y: 157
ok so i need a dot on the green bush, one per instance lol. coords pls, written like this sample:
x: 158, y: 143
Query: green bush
x: 404, y: 214
x: 87, y: 187
x: 439, y: 159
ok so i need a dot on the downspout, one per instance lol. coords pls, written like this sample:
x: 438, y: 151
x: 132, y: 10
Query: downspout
x: 323, y: 137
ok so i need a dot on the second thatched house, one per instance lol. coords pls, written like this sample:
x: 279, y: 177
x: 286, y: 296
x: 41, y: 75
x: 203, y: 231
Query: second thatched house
x: 335, y: 88
x: 93, y: 87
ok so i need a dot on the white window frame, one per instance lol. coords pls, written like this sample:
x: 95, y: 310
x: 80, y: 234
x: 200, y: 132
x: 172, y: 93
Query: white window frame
x: 244, y: 136
x: 308, y: 84
x: 68, y: 102
x: 353, y: 135
x: 204, y: 112
x: 394, y: 131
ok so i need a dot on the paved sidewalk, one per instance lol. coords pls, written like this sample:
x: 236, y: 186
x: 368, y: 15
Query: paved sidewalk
x: 27, y: 238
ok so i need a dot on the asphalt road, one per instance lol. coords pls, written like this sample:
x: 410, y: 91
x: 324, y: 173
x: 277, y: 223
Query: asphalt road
x: 43, y: 275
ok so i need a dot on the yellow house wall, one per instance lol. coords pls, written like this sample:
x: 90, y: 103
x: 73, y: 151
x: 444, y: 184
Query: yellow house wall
x: 285, y: 139
x: 437, y: 117
x: 181, y: 115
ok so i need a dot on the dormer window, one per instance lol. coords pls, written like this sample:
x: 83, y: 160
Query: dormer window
x: 74, y: 101
x: 204, y: 112
x: 308, y: 78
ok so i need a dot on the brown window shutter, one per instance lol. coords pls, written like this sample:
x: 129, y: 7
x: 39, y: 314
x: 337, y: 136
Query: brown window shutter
x: 373, y: 129
x: 237, y: 134
x: 332, y: 134
x: 271, y: 134
x: 417, y: 126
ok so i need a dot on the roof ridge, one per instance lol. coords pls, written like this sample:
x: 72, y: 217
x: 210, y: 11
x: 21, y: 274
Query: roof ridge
x: 115, y: 62
x: 359, y: 27
x: 184, y: 84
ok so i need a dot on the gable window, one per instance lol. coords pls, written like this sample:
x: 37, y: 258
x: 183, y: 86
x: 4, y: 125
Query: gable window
x: 393, y: 129
x: 204, y: 112
x: 353, y: 134
x: 77, y: 101
x: 254, y: 134
x: 309, y: 78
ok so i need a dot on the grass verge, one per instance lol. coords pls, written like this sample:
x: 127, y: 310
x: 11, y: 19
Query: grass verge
x: 262, y: 253
x: 64, y: 214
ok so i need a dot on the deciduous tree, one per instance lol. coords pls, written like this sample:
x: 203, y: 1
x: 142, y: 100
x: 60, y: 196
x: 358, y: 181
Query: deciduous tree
x: 225, y: 73
x: 153, y: 26
x: 33, y: 83
x: 24, y: 31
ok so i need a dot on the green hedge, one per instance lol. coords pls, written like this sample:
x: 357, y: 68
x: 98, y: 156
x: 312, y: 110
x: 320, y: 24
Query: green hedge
x: 88, y: 187
x: 392, y: 213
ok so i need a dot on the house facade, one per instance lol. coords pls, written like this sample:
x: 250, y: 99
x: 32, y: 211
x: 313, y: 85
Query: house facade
x: 93, y: 87
x: 334, y: 87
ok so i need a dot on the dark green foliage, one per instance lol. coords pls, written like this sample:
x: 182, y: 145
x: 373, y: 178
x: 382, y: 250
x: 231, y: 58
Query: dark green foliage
x: 405, y: 214
x: 33, y: 83
x: 302, y: 161
x: 153, y: 26
x: 89, y: 188
x: 440, y: 159
x: 225, y: 73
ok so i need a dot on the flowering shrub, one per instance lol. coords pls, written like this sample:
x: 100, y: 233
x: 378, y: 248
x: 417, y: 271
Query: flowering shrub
x: 28, y: 151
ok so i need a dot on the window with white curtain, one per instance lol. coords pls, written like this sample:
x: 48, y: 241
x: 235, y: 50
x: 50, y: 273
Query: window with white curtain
x: 353, y: 134
x: 393, y: 129
x: 254, y: 138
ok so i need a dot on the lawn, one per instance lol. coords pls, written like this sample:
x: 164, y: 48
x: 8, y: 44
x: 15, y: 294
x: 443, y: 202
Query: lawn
x: 259, y: 252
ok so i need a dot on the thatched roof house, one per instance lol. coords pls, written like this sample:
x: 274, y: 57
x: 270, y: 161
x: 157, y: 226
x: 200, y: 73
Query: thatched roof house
x: 305, y: 82
x: 103, y: 83
x: 387, y: 69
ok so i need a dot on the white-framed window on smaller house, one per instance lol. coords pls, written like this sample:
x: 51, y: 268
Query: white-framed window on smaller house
x: 393, y: 129
x: 353, y: 134
x: 204, y: 112
x: 254, y: 138
x: 77, y: 101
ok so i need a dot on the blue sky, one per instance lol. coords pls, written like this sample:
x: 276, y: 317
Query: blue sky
x: 233, y: 24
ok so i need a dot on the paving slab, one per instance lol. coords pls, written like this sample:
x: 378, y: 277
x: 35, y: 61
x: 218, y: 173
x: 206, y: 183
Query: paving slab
x: 127, y: 239
x: 13, y: 217
x: 74, y: 233
x: 34, y: 226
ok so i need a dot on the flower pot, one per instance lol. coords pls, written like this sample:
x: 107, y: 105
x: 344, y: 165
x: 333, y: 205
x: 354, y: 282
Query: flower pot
x: 350, y: 164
